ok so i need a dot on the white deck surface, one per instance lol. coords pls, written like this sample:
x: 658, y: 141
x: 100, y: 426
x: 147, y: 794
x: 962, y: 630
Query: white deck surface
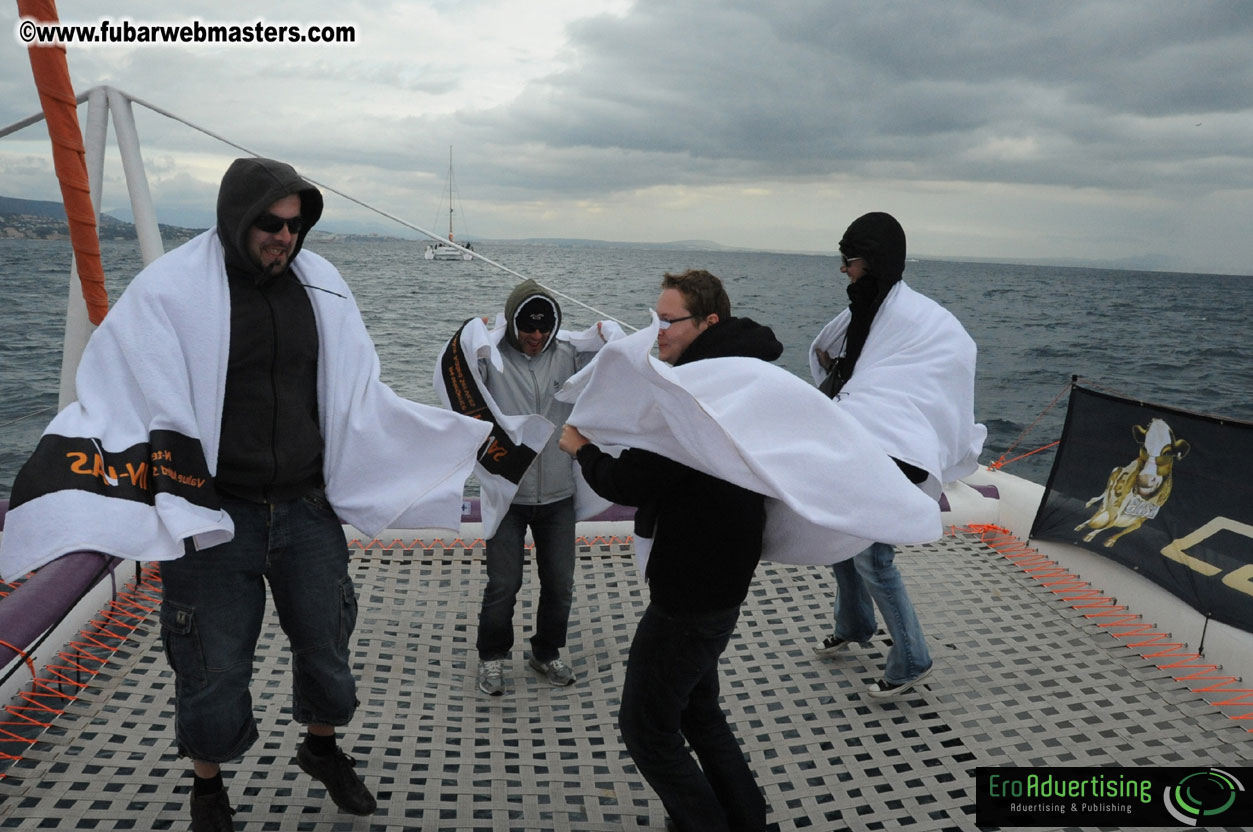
x: 1021, y: 679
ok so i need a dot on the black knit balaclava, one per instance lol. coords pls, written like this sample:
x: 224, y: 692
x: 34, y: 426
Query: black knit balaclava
x: 879, y: 238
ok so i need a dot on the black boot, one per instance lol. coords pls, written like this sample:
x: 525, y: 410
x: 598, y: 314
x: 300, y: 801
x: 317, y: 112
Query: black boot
x: 212, y: 813
x: 334, y: 771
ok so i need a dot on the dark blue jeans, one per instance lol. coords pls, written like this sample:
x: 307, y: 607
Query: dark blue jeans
x: 671, y: 694
x: 552, y: 528
x: 211, y: 614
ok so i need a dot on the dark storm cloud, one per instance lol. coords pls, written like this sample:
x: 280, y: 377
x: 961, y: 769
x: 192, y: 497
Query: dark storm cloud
x: 1105, y: 121
x: 1069, y: 94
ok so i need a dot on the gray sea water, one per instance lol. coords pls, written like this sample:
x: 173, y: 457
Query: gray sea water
x: 1181, y: 340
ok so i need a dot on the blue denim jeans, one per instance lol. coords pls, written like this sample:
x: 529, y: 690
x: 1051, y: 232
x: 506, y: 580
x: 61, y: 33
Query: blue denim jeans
x: 870, y: 576
x: 211, y: 615
x: 670, y: 695
x: 552, y: 528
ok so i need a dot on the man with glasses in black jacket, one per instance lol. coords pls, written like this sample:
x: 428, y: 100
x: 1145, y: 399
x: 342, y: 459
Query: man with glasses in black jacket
x: 707, y: 541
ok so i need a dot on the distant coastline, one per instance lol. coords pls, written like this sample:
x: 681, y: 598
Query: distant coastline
x: 31, y: 219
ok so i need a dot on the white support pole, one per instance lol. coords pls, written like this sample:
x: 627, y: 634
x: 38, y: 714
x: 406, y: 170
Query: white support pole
x: 78, y: 327
x: 150, y: 245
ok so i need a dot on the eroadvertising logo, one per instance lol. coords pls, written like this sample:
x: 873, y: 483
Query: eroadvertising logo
x: 1103, y: 796
x: 1204, y: 796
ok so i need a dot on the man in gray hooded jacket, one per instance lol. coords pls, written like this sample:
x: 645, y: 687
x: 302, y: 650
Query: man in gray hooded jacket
x: 535, y: 366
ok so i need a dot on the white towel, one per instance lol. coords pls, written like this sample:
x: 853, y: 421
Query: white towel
x: 530, y: 432
x: 914, y: 385
x: 158, y: 363
x: 831, y: 490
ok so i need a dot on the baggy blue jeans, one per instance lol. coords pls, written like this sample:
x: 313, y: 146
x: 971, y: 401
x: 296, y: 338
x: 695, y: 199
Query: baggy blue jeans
x: 552, y: 528
x: 670, y: 695
x: 872, y: 576
x: 212, y: 611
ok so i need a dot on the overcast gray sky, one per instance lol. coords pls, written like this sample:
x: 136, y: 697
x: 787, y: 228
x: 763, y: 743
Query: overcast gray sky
x: 1090, y: 129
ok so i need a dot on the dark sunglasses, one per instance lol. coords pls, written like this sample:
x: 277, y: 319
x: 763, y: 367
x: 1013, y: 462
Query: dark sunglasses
x: 528, y: 326
x: 270, y: 224
x: 845, y: 259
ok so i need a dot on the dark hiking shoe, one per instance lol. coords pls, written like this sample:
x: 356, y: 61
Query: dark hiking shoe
x: 557, y: 672
x: 212, y: 813
x: 335, y: 772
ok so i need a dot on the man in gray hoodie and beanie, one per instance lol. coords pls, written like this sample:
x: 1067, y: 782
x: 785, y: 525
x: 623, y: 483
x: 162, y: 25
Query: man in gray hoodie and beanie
x: 535, y: 364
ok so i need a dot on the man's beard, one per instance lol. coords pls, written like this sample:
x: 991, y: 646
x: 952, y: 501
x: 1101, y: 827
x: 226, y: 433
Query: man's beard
x: 275, y: 267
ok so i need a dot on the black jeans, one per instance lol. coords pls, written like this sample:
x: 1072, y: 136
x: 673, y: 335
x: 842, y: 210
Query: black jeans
x: 671, y: 694
x: 552, y: 527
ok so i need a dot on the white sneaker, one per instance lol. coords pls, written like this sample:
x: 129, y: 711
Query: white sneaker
x: 492, y: 677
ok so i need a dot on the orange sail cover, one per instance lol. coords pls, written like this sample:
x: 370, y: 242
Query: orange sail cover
x: 56, y: 96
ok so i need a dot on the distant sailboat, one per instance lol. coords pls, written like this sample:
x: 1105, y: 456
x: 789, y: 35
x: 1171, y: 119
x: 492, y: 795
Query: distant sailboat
x: 440, y: 250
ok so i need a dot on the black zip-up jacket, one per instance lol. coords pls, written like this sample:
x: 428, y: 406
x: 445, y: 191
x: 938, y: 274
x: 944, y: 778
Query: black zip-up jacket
x: 706, y: 532
x: 271, y: 442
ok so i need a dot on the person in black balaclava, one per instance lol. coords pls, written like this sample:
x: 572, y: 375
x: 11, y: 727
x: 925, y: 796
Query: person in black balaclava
x: 872, y: 254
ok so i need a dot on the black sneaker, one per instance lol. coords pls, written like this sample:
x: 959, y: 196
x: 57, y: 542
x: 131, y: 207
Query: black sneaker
x: 883, y: 690
x: 830, y: 646
x: 335, y: 772
x: 212, y: 813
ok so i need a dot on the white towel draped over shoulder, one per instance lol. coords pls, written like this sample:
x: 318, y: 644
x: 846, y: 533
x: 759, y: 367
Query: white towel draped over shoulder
x: 913, y: 386
x: 831, y: 490
x: 530, y: 431
x: 158, y: 363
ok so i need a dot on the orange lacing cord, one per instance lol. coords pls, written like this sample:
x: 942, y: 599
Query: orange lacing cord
x: 612, y: 540
x: 1123, y: 624
x: 1002, y: 462
x: 8, y: 586
x: 418, y: 544
x: 75, y: 667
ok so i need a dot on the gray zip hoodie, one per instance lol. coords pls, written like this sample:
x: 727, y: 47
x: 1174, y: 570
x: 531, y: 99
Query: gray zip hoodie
x: 527, y: 385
